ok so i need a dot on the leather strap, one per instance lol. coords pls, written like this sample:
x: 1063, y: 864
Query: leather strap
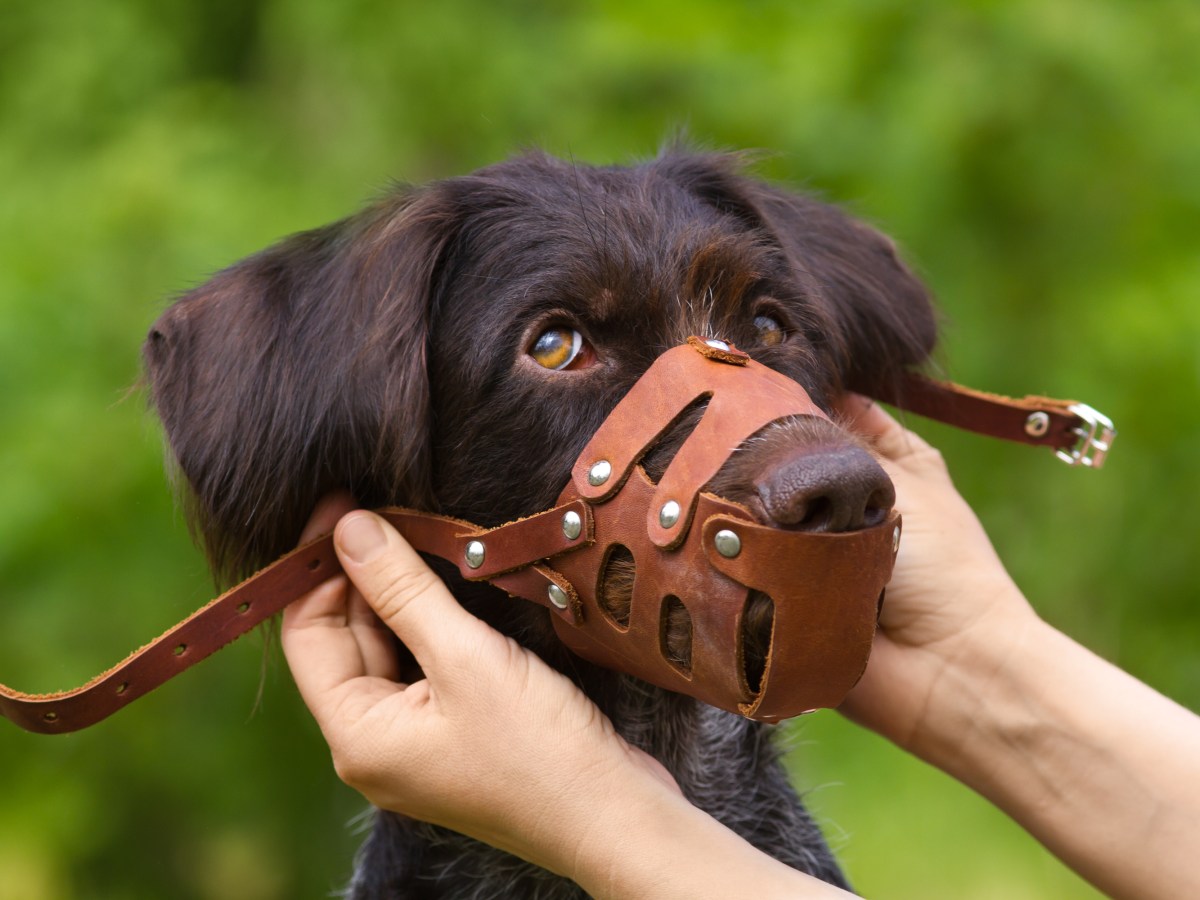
x: 196, y: 637
x: 266, y: 593
x: 1078, y: 434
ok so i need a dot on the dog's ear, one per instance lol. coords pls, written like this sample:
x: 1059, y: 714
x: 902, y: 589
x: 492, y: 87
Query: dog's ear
x: 298, y: 371
x: 877, y: 317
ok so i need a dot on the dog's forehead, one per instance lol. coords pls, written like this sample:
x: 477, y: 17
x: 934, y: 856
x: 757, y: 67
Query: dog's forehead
x: 598, y: 236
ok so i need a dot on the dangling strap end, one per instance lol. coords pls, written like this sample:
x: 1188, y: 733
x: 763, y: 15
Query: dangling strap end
x: 1078, y: 434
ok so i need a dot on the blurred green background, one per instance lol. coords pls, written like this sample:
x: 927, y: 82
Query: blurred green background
x: 1039, y: 160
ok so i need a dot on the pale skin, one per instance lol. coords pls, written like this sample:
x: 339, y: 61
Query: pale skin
x: 493, y: 743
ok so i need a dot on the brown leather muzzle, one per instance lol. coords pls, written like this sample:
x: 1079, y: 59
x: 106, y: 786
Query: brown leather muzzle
x: 706, y: 554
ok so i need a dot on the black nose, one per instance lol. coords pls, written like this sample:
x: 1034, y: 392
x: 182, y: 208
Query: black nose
x: 838, y: 488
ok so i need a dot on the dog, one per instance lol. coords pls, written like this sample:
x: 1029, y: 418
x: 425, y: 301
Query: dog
x: 453, y: 347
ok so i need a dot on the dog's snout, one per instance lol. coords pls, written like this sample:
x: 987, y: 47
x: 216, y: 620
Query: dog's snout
x: 836, y: 488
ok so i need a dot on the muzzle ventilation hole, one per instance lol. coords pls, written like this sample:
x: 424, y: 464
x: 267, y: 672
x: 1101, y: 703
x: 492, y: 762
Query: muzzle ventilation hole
x: 615, y: 595
x: 675, y: 630
x: 659, y: 455
x: 757, y: 625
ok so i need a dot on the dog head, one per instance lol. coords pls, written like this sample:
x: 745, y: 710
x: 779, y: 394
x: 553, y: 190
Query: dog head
x: 454, y: 347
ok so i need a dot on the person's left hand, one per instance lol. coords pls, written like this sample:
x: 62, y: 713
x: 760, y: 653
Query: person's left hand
x: 492, y: 742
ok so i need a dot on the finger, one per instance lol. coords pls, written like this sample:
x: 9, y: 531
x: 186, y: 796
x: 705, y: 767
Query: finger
x: 887, y: 436
x: 400, y: 587
x: 376, y: 642
x: 322, y: 654
x: 851, y: 407
x: 326, y: 607
x: 325, y: 516
x: 329, y: 635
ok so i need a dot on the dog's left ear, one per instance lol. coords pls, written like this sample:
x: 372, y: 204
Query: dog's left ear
x: 878, y: 316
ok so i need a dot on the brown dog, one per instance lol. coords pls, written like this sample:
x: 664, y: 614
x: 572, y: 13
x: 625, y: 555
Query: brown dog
x: 453, y: 348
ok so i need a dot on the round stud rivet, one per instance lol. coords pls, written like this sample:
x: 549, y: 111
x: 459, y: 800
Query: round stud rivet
x: 1037, y: 424
x: 896, y: 539
x: 557, y: 596
x: 599, y: 473
x: 717, y: 345
x: 727, y: 542
x: 572, y: 525
x: 669, y: 514
x: 475, y: 554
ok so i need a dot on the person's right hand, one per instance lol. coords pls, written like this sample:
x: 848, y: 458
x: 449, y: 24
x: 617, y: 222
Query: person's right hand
x: 966, y: 676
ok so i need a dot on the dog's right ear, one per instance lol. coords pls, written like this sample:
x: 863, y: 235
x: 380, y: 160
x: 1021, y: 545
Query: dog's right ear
x: 301, y: 370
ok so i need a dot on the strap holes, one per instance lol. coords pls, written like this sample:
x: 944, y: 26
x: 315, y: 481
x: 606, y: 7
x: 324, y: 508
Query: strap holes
x: 180, y: 650
x: 314, y: 564
x: 50, y: 717
x: 243, y: 607
x: 122, y: 688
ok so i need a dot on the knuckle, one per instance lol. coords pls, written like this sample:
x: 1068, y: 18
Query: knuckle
x: 355, y: 761
x: 930, y: 456
x: 344, y: 768
x: 350, y: 770
x: 400, y: 585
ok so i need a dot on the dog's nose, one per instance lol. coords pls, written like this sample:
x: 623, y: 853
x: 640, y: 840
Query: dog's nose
x: 839, y: 488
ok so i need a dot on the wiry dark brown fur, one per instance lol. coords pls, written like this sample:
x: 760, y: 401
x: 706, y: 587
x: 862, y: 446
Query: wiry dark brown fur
x: 387, y: 354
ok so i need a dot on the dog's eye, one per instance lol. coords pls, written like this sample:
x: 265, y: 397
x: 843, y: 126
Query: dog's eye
x: 770, y: 332
x: 557, y: 348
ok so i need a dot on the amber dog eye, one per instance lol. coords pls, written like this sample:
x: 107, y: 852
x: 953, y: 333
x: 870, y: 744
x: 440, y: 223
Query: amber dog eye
x: 557, y: 348
x: 770, y: 332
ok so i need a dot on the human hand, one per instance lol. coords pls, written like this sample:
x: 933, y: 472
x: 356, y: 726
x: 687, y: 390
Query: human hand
x: 491, y: 742
x: 967, y: 677
x: 949, y: 594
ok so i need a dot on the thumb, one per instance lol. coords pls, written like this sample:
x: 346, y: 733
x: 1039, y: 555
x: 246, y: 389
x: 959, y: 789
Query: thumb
x: 396, y: 583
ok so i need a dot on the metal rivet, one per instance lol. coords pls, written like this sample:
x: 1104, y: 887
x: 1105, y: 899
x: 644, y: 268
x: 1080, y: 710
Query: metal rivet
x: 717, y: 345
x: 572, y: 525
x: 599, y: 473
x: 557, y: 596
x: 727, y: 542
x: 475, y: 554
x: 1037, y: 424
x: 669, y: 514
x: 896, y: 539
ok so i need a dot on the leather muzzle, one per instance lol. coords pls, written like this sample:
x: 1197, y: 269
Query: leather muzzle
x: 706, y: 555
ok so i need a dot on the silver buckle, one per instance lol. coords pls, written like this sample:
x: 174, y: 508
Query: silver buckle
x: 1094, y: 438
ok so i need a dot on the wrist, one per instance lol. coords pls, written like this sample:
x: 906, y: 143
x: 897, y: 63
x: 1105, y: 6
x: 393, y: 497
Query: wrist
x: 652, y: 844
x: 930, y: 668
x: 977, y: 683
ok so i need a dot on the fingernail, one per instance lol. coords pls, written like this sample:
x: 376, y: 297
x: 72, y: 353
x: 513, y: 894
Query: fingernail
x: 361, y: 537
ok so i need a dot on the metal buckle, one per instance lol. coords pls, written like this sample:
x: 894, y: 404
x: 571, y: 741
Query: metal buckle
x: 1094, y: 438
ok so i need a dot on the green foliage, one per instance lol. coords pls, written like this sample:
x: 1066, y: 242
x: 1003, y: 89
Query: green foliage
x: 1037, y: 159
